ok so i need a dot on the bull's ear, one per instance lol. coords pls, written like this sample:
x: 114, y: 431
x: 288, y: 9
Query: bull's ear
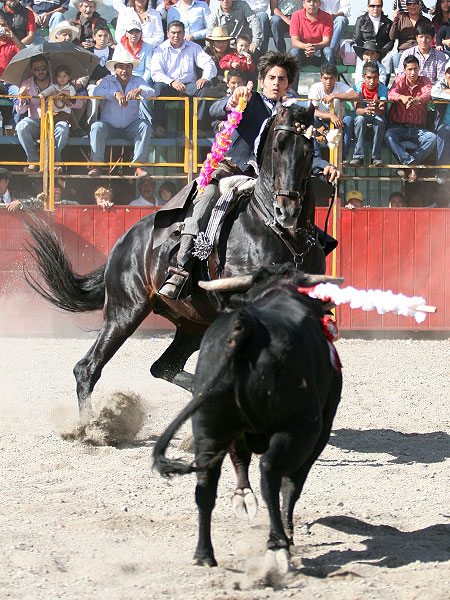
x: 312, y: 280
x: 228, y: 284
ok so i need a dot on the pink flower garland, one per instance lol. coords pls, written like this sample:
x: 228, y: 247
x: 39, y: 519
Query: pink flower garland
x: 220, y: 146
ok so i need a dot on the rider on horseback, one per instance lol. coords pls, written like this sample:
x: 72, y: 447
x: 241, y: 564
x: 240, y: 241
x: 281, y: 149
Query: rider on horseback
x: 277, y: 72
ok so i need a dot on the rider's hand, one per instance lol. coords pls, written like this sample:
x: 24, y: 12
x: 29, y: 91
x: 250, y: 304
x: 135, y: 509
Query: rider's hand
x: 243, y: 91
x: 331, y: 173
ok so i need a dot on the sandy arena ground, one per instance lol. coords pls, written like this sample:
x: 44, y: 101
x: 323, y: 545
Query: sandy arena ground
x: 91, y: 523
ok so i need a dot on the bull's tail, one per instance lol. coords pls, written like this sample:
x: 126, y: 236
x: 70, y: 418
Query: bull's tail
x: 240, y: 328
x: 62, y: 287
x: 166, y: 466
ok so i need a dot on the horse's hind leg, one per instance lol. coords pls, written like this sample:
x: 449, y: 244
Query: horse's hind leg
x: 170, y: 365
x: 243, y: 501
x: 120, y: 321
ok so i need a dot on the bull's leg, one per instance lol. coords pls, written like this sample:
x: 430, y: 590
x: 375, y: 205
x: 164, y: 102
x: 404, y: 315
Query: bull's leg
x: 169, y: 365
x: 245, y: 505
x: 121, y: 319
x: 205, y: 496
x: 293, y: 484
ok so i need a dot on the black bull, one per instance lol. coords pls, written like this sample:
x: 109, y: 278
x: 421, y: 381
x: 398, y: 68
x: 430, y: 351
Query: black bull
x: 267, y: 375
x: 126, y: 287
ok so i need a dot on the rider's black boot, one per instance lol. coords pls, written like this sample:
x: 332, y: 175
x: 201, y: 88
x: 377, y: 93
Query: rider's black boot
x: 177, y: 276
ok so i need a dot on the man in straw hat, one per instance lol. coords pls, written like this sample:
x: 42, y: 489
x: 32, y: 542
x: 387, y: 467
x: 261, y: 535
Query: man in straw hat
x: 237, y: 17
x: 87, y: 20
x: 63, y: 32
x: 120, y: 113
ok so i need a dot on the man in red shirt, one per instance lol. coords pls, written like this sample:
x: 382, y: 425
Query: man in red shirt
x: 9, y: 47
x: 311, y: 30
x: 21, y: 21
x: 410, y: 93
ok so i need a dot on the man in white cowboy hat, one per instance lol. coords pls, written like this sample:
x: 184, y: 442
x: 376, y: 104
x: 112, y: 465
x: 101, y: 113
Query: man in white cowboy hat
x: 120, y: 113
x: 87, y: 20
x: 63, y: 32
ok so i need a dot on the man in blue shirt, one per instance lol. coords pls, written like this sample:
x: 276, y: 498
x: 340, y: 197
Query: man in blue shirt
x: 47, y: 13
x: 370, y: 111
x: 120, y: 113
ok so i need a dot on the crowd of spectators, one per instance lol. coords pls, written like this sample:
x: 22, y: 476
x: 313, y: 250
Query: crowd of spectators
x: 185, y: 48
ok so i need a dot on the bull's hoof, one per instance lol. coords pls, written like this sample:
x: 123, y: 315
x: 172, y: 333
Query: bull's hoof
x: 205, y: 562
x: 277, y: 560
x: 245, y: 505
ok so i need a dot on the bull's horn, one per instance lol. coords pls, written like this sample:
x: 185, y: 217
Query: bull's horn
x: 316, y: 279
x: 228, y: 284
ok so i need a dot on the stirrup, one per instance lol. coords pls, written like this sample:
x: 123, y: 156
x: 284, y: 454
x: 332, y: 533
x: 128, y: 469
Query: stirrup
x: 180, y: 276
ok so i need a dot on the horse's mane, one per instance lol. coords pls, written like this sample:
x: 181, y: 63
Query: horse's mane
x: 285, y: 115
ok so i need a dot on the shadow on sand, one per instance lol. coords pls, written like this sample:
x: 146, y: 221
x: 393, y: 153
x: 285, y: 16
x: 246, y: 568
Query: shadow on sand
x: 404, y: 447
x: 385, y: 546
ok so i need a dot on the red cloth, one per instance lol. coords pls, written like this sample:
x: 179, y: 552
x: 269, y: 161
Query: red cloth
x: 225, y: 62
x: 8, y: 49
x: 416, y: 115
x: 367, y: 94
x: 311, y: 32
x: 126, y: 44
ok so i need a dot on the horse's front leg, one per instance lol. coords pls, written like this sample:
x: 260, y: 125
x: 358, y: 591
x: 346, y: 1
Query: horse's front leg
x: 245, y: 505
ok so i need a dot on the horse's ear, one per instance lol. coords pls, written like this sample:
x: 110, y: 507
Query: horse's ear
x: 311, y: 110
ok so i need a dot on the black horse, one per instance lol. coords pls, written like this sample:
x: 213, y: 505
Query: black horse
x: 273, y: 224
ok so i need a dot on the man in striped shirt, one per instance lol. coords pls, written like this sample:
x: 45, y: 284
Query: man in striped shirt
x: 410, y: 93
x: 431, y: 61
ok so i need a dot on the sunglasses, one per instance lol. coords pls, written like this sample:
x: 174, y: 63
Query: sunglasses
x: 411, y: 3
x: 375, y: 5
x: 37, y: 69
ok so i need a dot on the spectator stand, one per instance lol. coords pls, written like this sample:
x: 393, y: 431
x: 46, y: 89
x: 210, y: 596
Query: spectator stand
x: 181, y: 140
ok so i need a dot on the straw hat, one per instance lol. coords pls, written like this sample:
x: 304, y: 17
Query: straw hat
x: 63, y: 26
x: 121, y: 55
x: 97, y: 3
x: 219, y: 34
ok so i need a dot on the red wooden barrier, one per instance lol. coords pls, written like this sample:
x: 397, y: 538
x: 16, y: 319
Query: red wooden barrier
x: 405, y: 250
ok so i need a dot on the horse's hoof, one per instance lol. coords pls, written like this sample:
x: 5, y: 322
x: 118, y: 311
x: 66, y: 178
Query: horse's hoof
x: 205, y: 562
x: 245, y: 505
x: 278, y: 560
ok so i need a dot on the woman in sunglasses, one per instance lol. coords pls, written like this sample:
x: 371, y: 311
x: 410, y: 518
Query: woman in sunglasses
x: 403, y: 28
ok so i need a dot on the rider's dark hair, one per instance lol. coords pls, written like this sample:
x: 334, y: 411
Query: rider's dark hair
x: 410, y: 59
x: 423, y: 28
x: 278, y: 59
x: 327, y: 69
x: 371, y: 67
x: 175, y: 24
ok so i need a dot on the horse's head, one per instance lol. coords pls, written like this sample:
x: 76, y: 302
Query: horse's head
x: 286, y: 159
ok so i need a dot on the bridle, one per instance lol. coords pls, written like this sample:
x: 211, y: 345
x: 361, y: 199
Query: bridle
x: 296, y: 129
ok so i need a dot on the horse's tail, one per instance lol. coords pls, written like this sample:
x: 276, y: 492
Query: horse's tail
x: 238, y: 329
x: 62, y: 287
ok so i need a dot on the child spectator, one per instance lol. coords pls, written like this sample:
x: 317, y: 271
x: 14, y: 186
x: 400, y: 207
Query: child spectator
x: 368, y: 52
x: 239, y: 58
x: 61, y: 90
x: 354, y: 199
x: 235, y: 78
x: 167, y: 191
x: 397, y: 200
x: 101, y: 49
x: 103, y: 197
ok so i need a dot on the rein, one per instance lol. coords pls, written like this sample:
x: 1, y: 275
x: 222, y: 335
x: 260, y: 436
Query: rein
x: 297, y: 256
